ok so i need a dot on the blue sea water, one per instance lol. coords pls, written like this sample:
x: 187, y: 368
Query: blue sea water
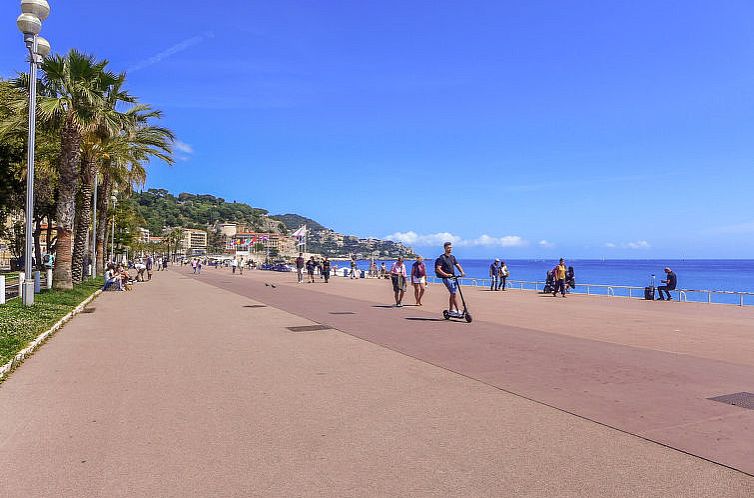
x: 719, y: 275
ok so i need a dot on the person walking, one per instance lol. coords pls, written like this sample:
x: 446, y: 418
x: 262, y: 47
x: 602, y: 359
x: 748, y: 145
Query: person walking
x: 559, y: 274
x: 240, y: 266
x: 310, y: 266
x: 300, y: 262
x: 233, y: 265
x: 326, y: 269
x: 354, y: 268
x: 193, y: 264
x: 398, y: 277
x: 150, y: 265
x: 504, y: 274
x: 495, y: 275
x: 198, y: 266
x: 419, y: 279
x: 445, y: 268
x: 671, y: 280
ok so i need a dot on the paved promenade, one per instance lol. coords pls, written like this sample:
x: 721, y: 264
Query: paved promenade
x: 195, y: 386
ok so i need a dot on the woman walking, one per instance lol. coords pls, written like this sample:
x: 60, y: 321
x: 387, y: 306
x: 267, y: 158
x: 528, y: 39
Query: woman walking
x: 504, y: 274
x: 419, y: 279
x: 326, y: 269
x: 398, y: 276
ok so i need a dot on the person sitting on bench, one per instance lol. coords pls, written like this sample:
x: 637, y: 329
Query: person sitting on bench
x: 670, y: 284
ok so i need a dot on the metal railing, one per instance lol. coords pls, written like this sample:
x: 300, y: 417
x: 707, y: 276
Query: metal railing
x: 13, y: 287
x: 632, y: 292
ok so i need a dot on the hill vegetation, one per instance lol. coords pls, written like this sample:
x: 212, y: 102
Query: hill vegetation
x: 161, y: 210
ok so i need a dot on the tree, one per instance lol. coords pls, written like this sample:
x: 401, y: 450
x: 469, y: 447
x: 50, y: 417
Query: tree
x: 73, y: 89
x: 123, y: 157
x: 174, y: 238
x: 108, y: 122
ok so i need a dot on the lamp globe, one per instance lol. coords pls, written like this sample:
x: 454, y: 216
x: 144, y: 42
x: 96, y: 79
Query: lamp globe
x: 29, y: 24
x: 43, y: 47
x: 39, y: 8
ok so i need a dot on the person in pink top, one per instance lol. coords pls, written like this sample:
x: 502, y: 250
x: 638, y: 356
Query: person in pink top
x: 398, y: 276
x: 419, y: 279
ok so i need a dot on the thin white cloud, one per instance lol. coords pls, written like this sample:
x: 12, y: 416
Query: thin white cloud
x: 183, y: 147
x: 639, y: 244
x: 546, y: 244
x: 435, y: 239
x: 179, y: 47
x: 413, y: 238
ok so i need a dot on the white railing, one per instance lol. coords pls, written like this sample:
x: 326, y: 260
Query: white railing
x: 629, y: 291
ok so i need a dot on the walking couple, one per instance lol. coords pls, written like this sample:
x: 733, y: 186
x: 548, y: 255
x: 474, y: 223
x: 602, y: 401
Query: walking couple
x: 399, y: 276
x: 498, y: 275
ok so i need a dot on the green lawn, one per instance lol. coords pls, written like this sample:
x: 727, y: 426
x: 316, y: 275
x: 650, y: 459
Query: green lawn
x: 19, y: 324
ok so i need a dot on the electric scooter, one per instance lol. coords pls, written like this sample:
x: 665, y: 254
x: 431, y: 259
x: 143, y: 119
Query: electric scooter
x: 464, y: 315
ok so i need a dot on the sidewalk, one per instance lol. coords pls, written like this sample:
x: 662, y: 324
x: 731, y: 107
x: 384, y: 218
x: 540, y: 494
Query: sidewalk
x: 180, y: 389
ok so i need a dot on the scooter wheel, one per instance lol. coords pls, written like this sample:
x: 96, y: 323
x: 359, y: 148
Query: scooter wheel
x: 446, y: 315
x: 468, y: 317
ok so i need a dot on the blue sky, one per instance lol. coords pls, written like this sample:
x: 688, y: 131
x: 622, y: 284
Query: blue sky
x: 519, y: 129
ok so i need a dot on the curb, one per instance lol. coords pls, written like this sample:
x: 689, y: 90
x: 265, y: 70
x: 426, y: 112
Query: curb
x: 33, y: 345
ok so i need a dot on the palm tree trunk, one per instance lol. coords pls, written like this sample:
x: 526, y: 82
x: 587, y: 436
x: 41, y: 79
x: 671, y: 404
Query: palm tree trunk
x: 83, y: 217
x: 103, y: 199
x: 70, y: 156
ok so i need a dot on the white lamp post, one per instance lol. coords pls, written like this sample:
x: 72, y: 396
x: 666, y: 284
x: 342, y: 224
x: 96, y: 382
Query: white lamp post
x: 33, y: 12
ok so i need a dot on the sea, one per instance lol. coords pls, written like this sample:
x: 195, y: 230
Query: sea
x: 612, y: 276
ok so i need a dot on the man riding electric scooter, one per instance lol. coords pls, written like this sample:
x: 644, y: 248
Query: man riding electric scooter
x: 445, y: 267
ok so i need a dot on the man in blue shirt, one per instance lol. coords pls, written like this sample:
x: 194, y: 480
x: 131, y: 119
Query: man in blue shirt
x: 495, y: 274
x: 445, y: 267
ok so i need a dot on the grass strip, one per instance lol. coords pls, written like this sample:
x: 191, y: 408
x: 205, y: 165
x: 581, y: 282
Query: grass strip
x: 19, y: 324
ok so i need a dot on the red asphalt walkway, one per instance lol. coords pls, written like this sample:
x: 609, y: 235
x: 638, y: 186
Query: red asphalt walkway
x: 191, y: 386
x: 659, y: 395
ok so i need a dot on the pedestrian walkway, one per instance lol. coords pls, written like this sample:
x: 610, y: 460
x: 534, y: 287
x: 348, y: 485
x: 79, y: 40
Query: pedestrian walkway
x: 196, y: 386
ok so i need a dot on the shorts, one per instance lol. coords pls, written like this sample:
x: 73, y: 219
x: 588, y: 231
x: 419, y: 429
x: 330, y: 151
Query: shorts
x: 418, y: 280
x: 399, y: 283
x: 451, y: 284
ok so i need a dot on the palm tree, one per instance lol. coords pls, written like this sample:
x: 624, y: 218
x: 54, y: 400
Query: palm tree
x: 109, y: 122
x: 123, y: 157
x: 74, y: 87
x: 174, y: 238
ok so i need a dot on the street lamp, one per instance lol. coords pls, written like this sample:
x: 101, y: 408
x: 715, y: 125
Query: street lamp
x: 33, y: 12
x: 114, y: 200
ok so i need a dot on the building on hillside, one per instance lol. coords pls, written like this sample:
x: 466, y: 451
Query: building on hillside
x: 258, y: 245
x: 194, y: 242
x: 227, y: 229
x: 143, y: 235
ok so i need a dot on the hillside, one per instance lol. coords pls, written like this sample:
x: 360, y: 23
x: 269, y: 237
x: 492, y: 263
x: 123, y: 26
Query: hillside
x: 161, y: 209
x: 331, y: 243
